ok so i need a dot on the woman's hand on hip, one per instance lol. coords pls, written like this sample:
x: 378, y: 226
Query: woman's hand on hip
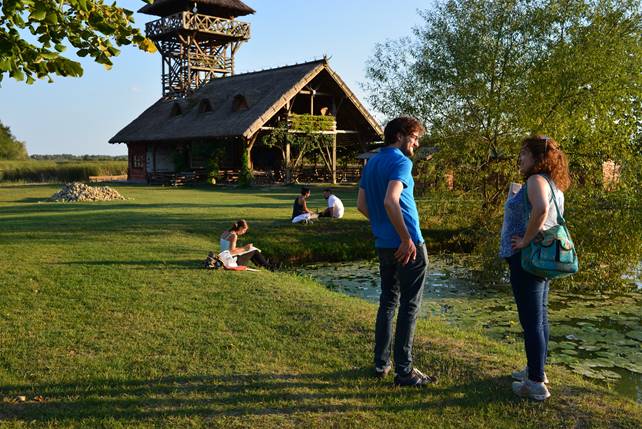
x: 517, y: 242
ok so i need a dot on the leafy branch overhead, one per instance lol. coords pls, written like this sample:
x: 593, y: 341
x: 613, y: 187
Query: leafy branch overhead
x: 483, y: 74
x: 34, y: 35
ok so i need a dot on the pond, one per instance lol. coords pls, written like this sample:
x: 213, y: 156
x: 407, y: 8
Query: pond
x: 598, y: 335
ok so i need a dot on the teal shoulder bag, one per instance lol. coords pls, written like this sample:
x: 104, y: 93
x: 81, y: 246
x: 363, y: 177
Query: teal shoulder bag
x: 551, y: 254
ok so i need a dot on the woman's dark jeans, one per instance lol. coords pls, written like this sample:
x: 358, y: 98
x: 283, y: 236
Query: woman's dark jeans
x: 531, y: 297
x: 400, y: 285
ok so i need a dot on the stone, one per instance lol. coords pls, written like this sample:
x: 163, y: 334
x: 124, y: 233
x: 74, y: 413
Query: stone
x: 76, y: 191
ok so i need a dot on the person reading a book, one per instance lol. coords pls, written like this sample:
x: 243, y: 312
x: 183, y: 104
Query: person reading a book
x: 243, y: 254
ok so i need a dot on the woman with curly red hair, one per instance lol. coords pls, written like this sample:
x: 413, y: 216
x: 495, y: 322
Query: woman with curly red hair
x: 544, y: 167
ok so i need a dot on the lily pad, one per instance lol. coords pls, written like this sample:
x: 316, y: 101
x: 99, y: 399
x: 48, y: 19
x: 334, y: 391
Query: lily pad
x: 567, y: 345
x: 589, y: 348
x: 635, y: 335
x: 611, y: 375
x: 630, y: 366
x: 599, y: 362
x: 587, y: 372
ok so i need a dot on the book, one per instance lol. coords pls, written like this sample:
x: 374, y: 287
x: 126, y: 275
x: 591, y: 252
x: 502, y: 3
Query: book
x: 251, y: 249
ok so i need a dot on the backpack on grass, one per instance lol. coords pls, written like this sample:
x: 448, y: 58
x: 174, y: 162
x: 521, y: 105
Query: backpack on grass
x: 212, y: 262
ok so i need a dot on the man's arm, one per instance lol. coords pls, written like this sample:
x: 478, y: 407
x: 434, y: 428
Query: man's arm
x: 362, y: 204
x: 407, y: 249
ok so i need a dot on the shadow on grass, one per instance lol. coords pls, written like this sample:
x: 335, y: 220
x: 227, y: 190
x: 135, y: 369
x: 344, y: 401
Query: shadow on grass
x: 106, y: 206
x: 240, y: 395
x: 186, y: 264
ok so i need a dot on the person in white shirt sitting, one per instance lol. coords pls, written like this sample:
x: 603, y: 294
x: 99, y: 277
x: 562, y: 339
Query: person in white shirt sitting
x: 335, y: 206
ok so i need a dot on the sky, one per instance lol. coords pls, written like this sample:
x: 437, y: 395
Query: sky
x: 79, y: 115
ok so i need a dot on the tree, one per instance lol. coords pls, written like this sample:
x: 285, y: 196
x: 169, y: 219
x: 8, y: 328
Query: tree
x: 10, y: 147
x: 304, y: 133
x: 482, y: 74
x: 34, y: 33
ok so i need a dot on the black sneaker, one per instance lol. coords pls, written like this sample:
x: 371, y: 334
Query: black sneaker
x: 414, y: 379
x: 382, y: 372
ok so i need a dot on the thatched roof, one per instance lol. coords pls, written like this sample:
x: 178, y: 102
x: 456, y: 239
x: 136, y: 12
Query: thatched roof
x: 236, y: 106
x: 222, y: 8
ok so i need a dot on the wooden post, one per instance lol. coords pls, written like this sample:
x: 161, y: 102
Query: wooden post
x: 154, y: 157
x: 248, y: 147
x: 287, y: 155
x: 334, y: 159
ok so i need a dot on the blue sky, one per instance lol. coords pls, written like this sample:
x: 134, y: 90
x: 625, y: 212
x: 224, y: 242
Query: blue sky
x: 78, y: 116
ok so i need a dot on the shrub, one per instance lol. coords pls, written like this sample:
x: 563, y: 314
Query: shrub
x: 245, y: 175
x: 56, y: 172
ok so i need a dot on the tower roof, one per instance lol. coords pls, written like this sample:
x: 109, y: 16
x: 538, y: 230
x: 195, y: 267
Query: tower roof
x: 221, y: 8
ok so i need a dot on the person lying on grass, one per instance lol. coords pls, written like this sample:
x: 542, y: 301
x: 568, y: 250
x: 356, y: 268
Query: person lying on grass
x: 243, y: 254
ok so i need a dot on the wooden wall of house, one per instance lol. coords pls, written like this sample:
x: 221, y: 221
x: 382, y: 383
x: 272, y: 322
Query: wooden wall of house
x: 162, y: 156
x: 137, y: 168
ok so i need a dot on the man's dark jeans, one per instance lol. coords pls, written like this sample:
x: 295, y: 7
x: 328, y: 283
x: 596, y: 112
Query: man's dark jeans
x: 531, y: 297
x: 400, y: 285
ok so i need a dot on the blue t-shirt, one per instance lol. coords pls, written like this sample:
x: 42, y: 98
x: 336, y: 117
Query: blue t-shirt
x: 390, y: 164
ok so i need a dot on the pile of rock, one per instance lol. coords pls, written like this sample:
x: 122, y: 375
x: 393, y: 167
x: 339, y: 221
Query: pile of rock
x: 81, y: 192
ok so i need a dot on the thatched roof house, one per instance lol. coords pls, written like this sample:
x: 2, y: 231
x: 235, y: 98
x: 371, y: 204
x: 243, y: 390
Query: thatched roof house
x: 231, y: 113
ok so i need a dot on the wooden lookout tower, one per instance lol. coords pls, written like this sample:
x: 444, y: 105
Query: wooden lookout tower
x: 197, y: 40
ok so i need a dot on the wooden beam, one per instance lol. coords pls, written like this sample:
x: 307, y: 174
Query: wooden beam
x: 313, y: 132
x: 334, y: 159
x: 308, y: 92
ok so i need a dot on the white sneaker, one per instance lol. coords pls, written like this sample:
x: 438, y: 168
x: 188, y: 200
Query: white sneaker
x: 531, y: 389
x: 523, y: 375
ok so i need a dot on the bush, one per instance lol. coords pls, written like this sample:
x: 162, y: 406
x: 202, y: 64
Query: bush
x: 606, y: 228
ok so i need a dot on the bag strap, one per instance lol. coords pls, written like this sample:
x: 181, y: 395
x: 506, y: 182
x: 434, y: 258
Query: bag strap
x: 560, y: 218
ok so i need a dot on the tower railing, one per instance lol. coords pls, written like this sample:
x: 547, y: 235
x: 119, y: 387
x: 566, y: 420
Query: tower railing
x: 209, y: 62
x: 193, y: 21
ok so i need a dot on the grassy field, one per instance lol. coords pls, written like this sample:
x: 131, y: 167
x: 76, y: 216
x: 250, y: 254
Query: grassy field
x: 107, y: 320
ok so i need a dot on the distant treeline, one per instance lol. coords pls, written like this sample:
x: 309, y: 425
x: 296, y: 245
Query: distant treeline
x: 69, y: 157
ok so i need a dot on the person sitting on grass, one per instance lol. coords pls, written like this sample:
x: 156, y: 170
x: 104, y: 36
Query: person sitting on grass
x: 300, y: 211
x: 335, y: 206
x: 243, y: 254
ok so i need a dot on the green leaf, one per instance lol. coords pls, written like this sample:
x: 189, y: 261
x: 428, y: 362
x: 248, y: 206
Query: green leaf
x: 148, y: 46
x: 82, y: 5
x: 18, y: 75
x: 52, y: 18
x: 49, y: 55
x: 38, y: 15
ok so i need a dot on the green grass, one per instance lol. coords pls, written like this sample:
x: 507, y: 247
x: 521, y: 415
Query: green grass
x: 107, y: 316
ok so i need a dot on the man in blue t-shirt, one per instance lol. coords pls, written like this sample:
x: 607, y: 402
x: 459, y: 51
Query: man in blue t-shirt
x: 386, y: 199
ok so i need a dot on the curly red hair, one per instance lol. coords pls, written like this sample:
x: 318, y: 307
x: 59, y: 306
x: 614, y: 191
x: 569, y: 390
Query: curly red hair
x: 549, y: 160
